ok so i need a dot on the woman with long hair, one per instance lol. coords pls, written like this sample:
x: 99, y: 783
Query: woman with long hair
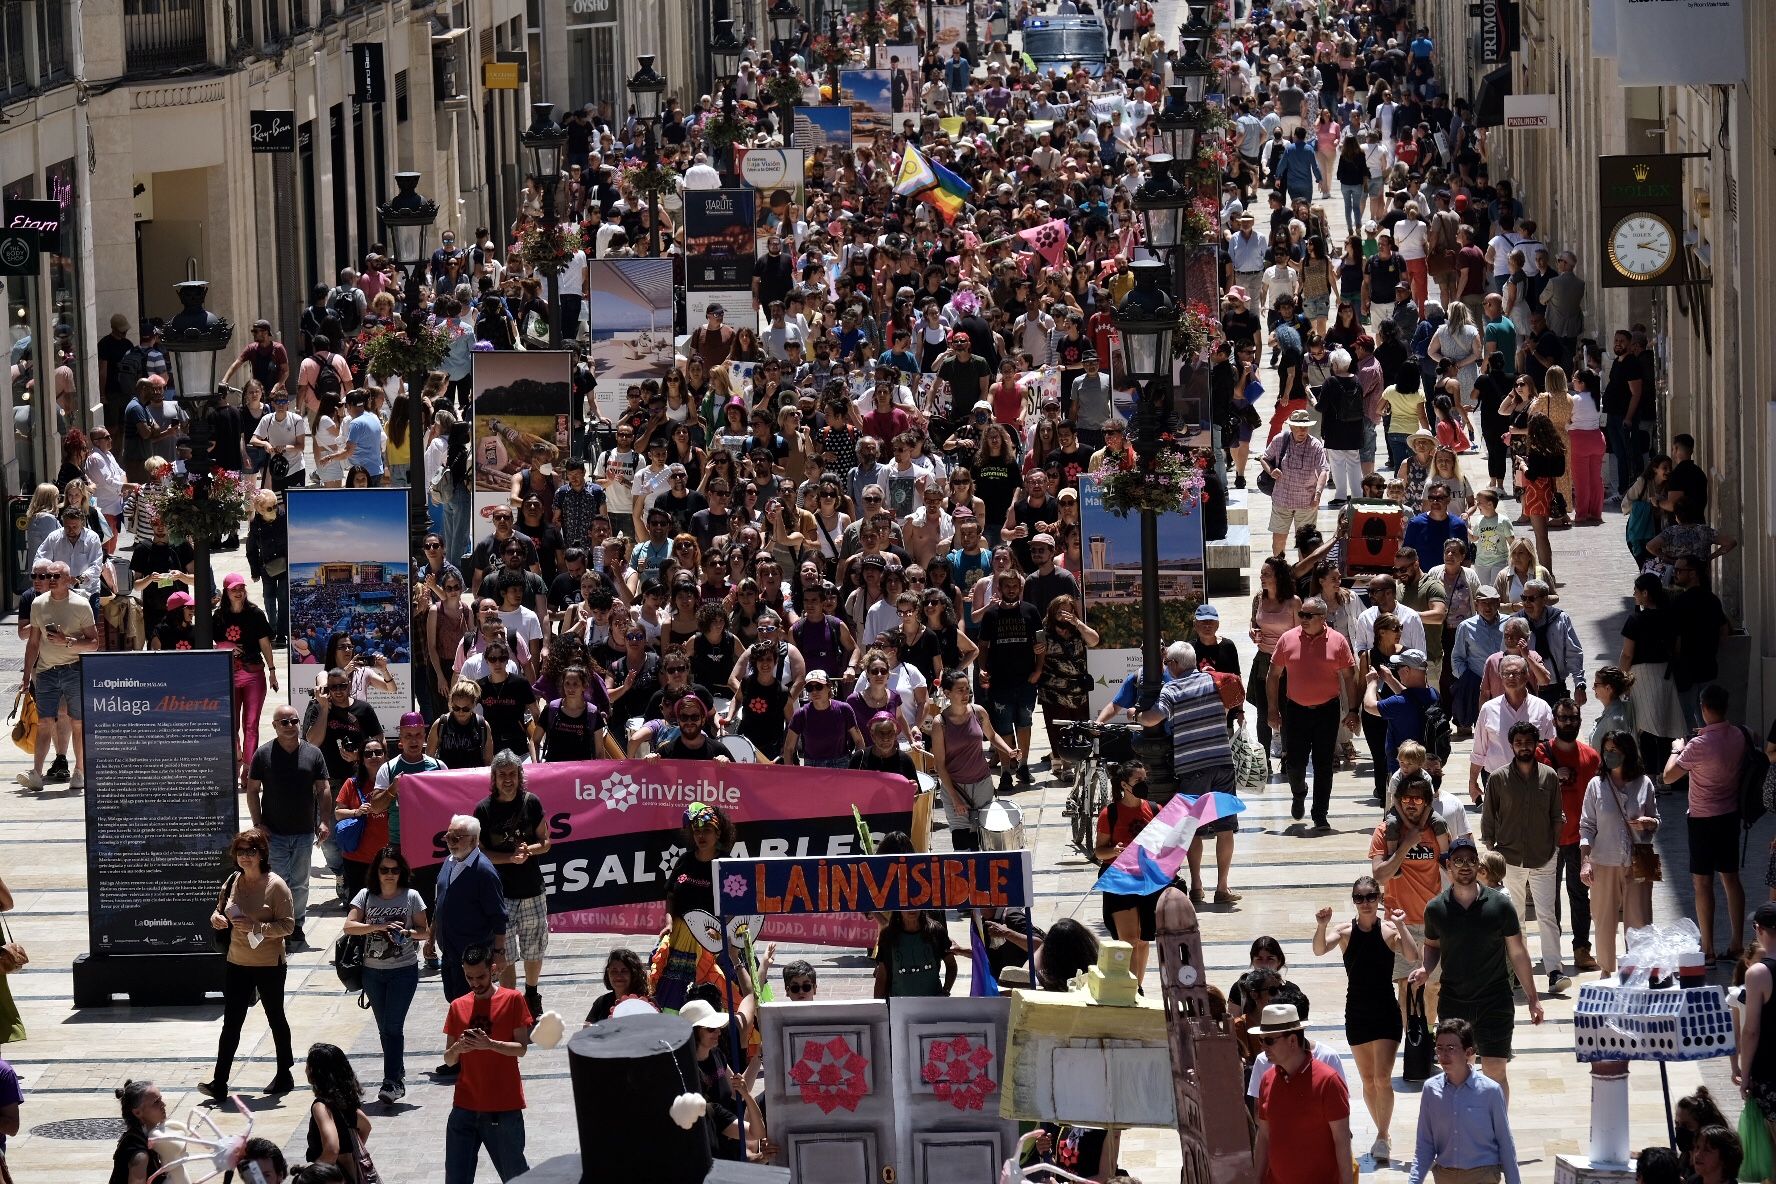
x: 400, y: 453
x: 1352, y: 172
x: 241, y: 627
x: 391, y: 915
x: 1316, y: 282
x: 1644, y: 502
x: 325, y: 426
x: 255, y: 907
x: 134, y: 1159
x: 1387, y: 632
x: 624, y: 978
x: 338, y: 1128
x: 1620, y: 810
x: 1556, y: 403
x: 1273, y: 614
x: 1611, y: 686
x: 1372, y: 1023
x: 1585, y: 448
x: 1065, y: 689
x: 1543, y: 462
x: 42, y: 516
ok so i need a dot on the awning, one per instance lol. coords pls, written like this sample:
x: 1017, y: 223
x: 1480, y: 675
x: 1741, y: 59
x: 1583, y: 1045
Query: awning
x: 1489, y: 97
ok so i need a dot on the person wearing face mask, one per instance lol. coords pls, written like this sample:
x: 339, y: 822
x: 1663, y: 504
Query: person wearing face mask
x: 1575, y: 764
x: 1619, y: 811
x: 1473, y: 934
x: 1521, y: 819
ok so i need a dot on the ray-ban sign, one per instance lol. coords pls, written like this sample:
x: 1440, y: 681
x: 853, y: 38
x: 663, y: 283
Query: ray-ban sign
x: 272, y: 131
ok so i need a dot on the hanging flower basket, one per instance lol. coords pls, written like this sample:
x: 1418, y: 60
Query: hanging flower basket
x: 389, y: 350
x: 785, y: 89
x: 1196, y: 331
x: 1201, y: 223
x: 646, y: 180
x: 205, y: 508
x: 871, y: 32
x: 548, y: 250
x: 829, y: 52
x: 1168, y: 482
x: 721, y: 132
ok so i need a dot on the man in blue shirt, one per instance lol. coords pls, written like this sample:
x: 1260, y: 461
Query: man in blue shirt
x: 1398, y: 694
x: 363, y: 431
x: 1427, y: 532
x: 1462, y: 1120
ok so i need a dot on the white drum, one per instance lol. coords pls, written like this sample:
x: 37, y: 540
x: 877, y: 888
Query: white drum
x: 1002, y: 826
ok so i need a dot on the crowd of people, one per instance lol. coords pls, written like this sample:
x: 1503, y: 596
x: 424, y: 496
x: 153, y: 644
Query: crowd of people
x: 866, y: 553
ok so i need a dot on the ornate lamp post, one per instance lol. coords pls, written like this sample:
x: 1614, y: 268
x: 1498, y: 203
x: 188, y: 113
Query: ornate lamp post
x: 1175, y: 126
x: 1193, y: 69
x: 782, y: 17
x: 195, y: 339
x: 833, y: 9
x: 648, y: 88
x: 545, y: 140
x: 1160, y: 204
x: 408, y: 219
x: 1146, y: 320
x: 725, y: 51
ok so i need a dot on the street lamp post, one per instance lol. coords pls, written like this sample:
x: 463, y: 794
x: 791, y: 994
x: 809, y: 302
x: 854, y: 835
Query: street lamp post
x: 725, y: 51
x: 782, y: 17
x: 1160, y: 203
x: 1146, y: 320
x: 973, y: 32
x: 648, y: 88
x: 833, y: 9
x: 545, y: 139
x: 408, y: 218
x: 195, y: 339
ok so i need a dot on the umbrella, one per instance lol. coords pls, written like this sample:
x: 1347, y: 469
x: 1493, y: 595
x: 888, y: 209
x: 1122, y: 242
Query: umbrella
x: 1148, y: 864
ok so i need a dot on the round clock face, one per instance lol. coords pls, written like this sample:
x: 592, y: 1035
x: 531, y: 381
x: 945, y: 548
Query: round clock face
x: 1642, y: 246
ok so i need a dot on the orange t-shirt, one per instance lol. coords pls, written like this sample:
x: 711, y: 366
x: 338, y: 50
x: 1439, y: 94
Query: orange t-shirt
x: 1419, y: 878
x: 489, y: 1082
x: 1314, y: 664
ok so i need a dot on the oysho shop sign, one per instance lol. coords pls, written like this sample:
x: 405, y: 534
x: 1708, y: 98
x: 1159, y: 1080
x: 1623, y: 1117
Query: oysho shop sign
x: 592, y: 11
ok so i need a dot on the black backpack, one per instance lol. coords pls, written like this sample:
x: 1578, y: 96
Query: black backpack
x: 132, y: 368
x: 343, y: 303
x: 326, y: 378
x: 1754, y: 767
x: 1437, y: 731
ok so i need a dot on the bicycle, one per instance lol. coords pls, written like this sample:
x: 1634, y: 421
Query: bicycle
x: 1098, y: 745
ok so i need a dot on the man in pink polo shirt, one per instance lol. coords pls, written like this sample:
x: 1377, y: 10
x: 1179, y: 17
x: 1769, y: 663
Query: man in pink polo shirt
x: 1320, y: 665
x: 1711, y: 759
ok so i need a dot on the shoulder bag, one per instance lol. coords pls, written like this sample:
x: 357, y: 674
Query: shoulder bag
x: 12, y: 956
x: 1419, y: 1058
x: 1266, y: 483
x: 24, y: 715
x: 1644, y: 864
x: 220, y: 938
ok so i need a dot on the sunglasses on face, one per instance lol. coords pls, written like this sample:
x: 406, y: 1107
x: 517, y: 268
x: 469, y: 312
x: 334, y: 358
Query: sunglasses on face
x: 1365, y: 897
x: 283, y: 723
x: 388, y: 871
x: 799, y: 988
x: 462, y: 708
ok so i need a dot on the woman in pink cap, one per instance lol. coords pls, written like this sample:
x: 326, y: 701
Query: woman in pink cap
x: 241, y: 626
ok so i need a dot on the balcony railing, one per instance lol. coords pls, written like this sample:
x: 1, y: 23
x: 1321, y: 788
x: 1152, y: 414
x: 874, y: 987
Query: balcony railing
x: 161, y: 35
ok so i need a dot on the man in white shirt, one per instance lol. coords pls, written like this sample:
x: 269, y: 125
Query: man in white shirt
x: 572, y: 289
x: 1492, y: 731
x: 1384, y: 597
x: 701, y: 174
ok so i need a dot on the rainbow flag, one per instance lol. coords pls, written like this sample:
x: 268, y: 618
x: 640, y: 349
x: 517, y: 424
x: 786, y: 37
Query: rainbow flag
x: 927, y: 181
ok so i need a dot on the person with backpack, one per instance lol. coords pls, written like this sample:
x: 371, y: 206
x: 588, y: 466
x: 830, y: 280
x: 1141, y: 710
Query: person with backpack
x: 1342, y: 428
x: 323, y: 372
x: 1398, y: 692
x: 347, y: 302
x: 1713, y: 757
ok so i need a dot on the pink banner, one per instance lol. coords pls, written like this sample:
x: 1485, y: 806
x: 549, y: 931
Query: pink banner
x: 614, y: 831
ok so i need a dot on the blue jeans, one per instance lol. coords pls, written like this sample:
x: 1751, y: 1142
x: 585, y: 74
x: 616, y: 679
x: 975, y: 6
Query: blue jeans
x: 1398, y: 450
x: 391, y: 994
x: 457, y: 512
x: 290, y: 859
x: 1691, y: 701
x: 275, y: 589
x: 467, y: 1131
x: 397, y: 475
x: 1353, y: 205
x: 826, y: 762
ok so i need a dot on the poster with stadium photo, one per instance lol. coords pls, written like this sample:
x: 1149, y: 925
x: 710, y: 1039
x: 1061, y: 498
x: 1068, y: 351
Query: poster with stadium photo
x: 1110, y: 562
x: 349, y: 581
x: 520, y: 402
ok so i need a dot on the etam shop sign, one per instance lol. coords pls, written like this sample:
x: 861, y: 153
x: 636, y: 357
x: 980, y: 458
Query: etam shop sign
x: 42, y: 216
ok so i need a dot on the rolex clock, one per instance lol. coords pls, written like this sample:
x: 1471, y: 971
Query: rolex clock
x: 1641, y: 246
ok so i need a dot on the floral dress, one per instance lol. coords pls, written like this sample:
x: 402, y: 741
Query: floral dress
x: 1065, y: 689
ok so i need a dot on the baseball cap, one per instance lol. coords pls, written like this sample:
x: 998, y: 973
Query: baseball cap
x: 1207, y: 612
x: 179, y: 600
x: 234, y: 580
x: 262, y: 323
x: 1043, y: 540
x: 1459, y: 843
x: 1410, y: 659
x: 816, y: 677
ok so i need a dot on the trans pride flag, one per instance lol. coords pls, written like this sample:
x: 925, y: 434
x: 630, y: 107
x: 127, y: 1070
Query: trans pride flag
x: 1148, y: 864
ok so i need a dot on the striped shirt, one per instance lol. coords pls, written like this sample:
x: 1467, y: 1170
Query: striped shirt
x: 1198, y: 720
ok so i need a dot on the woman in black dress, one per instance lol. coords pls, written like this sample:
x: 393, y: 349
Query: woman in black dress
x: 1372, y: 1024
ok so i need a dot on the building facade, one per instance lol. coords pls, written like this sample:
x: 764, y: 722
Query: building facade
x: 1716, y: 370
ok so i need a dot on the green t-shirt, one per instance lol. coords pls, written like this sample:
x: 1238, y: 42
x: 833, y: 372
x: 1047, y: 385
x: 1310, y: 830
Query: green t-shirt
x: 1471, y: 944
x: 1503, y: 334
x: 915, y: 965
x: 386, y: 775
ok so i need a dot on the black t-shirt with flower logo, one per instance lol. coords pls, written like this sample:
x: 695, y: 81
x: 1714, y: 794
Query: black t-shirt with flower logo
x: 242, y: 632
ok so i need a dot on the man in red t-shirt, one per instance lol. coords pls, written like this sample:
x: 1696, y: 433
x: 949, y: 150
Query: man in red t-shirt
x: 1304, y: 1133
x: 1322, y: 671
x: 1575, y: 764
x: 488, y: 1030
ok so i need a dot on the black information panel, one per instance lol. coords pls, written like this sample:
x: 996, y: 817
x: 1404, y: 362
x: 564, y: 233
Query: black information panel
x: 160, y: 797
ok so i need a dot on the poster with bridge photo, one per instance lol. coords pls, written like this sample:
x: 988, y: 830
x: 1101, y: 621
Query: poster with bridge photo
x: 520, y: 403
x: 350, y: 604
x: 1110, y: 570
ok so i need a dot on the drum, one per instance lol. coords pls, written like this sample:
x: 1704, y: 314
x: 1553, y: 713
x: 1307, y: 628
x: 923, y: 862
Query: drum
x: 1376, y: 531
x: 1002, y: 826
x: 741, y: 750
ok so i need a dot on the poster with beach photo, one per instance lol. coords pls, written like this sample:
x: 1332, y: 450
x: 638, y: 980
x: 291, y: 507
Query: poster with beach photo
x: 870, y: 96
x: 349, y: 579
x: 520, y: 401
x: 631, y: 311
